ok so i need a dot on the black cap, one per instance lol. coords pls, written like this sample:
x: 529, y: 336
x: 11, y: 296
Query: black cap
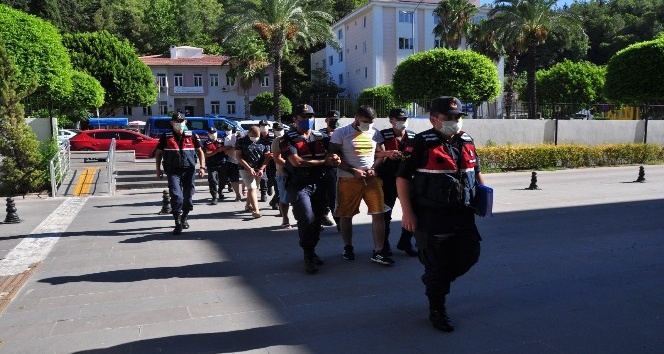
x: 333, y: 114
x: 177, y: 116
x: 447, y: 105
x: 398, y: 113
x: 263, y: 122
x: 277, y: 126
x: 302, y: 109
x: 212, y: 130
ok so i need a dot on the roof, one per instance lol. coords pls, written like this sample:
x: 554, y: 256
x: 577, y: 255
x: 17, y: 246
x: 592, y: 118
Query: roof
x: 166, y: 60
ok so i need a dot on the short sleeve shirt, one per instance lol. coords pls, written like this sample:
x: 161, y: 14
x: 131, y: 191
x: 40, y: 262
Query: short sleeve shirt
x: 252, y: 152
x: 357, y: 147
x: 231, y: 140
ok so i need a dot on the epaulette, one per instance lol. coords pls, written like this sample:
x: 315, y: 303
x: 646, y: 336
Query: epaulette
x: 169, y: 135
x: 387, y: 133
x: 188, y: 133
x: 317, y: 134
x: 465, y: 137
x: 431, y: 138
x: 410, y: 134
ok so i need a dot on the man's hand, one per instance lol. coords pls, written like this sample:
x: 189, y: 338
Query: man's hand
x: 394, y: 155
x: 370, y: 172
x: 160, y: 173
x: 332, y: 160
x: 357, y: 173
x: 201, y: 172
x: 408, y: 221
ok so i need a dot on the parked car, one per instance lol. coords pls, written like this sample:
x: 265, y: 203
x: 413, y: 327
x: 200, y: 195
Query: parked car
x: 155, y: 126
x: 100, y: 140
x: 65, y: 134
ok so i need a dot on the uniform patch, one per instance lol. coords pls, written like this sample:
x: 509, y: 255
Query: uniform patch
x: 408, y: 149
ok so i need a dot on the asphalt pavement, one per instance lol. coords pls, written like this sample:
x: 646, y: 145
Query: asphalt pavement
x: 575, y: 267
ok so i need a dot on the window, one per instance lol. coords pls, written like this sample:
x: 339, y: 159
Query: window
x: 436, y: 19
x: 341, y: 56
x: 126, y: 110
x: 177, y: 79
x: 163, y: 108
x: 198, y: 80
x: 230, y: 107
x: 406, y: 16
x: 364, y: 22
x: 364, y: 47
x: 126, y: 136
x: 340, y: 34
x: 405, y: 43
x: 230, y: 81
x: 214, y: 107
x: 214, y: 80
x: 341, y: 79
x: 147, y: 111
x: 366, y: 72
x: 324, y: 63
x: 161, y: 82
x: 331, y: 58
x: 106, y: 135
x: 437, y: 43
x: 266, y: 80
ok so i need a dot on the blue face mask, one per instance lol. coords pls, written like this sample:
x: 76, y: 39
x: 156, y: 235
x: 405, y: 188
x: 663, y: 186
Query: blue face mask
x: 306, y: 124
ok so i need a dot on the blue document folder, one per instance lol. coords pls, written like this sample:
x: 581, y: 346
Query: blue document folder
x: 484, y: 204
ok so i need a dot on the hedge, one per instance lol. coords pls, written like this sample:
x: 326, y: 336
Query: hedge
x: 508, y: 158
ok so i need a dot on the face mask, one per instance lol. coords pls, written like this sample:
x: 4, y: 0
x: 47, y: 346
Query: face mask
x: 178, y: 126
x: 254, y: 138
x: 264, y: 128
x: 333, y: 124
x: 305, y: 124
x: 460, y: 124
x: 229, y: 131
x: 364, y: 126
x: 212, y: 136
x: 449, y: 128
x: 278, y: 133
x: 401, y: 124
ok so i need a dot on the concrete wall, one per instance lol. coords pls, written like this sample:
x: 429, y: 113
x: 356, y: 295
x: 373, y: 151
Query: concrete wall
x: 42, y: 128
x: 532, y: 132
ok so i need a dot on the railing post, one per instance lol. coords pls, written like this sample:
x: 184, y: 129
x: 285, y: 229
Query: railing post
x: 53, y: 183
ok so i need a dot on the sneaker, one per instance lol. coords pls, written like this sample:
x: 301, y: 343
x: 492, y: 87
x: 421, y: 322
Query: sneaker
x: 380, y: 257
x: 348, y: 254
x: 440, y: 321
x: 325, y: 221
x: 213, y: 201
x: 310, y: 265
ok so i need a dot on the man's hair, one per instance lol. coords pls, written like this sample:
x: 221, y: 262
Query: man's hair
x: 366, y: 111
x: 254, y: 129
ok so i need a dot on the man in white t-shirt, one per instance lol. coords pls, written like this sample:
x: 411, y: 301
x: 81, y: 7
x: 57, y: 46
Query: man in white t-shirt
x: 356, y: 144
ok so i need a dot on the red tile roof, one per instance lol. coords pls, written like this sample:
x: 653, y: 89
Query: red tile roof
x: 165, y: 60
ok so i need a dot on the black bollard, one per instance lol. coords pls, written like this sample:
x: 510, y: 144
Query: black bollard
x: 533, y: 182
x: 165, y: 203
x: 12, y: 217
x: 642, y: 175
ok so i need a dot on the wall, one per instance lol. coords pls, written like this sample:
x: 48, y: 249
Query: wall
x: 532, y: 132
x: 42, y: 128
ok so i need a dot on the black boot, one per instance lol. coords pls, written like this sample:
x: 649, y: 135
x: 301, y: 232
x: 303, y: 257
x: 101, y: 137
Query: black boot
x: 178, y: 224
x: 440, y: 321
x: 387, y: 250
x: 310, y: 265
x: 213, y: 201
x: 404, y: 245
x: 185, y: 224
x: 263, y: 197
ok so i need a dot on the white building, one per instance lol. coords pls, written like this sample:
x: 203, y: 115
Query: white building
x: 196, y: 84
x: 375, y: 38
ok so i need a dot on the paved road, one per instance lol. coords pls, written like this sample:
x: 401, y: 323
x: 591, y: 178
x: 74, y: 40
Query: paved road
x: 576, y: 267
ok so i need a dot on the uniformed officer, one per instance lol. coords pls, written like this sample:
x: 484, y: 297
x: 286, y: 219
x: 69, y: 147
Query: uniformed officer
x: 267, y: 182
x: 331, y: 123
x: 394, y: 142
x: 305, y: 150
x: 436, y: 184
x: 177, y: 150
x: 215, y: 160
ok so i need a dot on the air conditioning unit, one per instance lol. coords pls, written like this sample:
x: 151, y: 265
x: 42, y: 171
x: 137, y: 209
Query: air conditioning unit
x: 224, y: 89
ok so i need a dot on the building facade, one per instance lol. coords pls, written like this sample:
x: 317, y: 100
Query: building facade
x: 196, y: 84
x: 375, y: 38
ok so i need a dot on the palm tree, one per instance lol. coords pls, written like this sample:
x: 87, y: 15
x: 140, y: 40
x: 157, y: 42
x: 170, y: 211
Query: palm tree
x: 455, y: 21
x: 523, y: 26
x: 248, y: 61
x: 281, y: 23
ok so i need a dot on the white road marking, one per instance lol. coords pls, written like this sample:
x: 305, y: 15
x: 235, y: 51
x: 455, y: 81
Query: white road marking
x: 35, y: 248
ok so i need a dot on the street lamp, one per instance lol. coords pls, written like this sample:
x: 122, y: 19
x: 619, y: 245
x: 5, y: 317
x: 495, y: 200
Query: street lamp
x: 413, y: 26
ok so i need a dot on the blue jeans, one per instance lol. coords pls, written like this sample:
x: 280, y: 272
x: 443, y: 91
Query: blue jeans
x: 281, y: 187
x: 181, y: 189
x: 309, y: 206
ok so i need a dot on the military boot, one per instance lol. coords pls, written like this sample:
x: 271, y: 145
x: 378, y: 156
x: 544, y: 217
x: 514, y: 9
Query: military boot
x: 185, y: 223
x: 178, y: 224
x: 440, y: 321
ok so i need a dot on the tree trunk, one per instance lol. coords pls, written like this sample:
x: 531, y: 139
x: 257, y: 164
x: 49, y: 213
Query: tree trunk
x: 532, y: 84
x: 277, y: 84
x: 510, y: 70
x: 247, y: 113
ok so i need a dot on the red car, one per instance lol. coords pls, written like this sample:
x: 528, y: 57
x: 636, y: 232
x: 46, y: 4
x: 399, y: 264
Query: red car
x: 100, y: 140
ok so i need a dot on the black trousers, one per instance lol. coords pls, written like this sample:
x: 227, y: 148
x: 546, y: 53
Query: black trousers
x: 390, y: 195
x: 216, y: 180
x: 309, y: 207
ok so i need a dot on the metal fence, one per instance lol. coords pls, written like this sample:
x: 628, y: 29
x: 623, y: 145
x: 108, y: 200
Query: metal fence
x: 347, y: 106
x: 581, y: 111
x: 59, y: 166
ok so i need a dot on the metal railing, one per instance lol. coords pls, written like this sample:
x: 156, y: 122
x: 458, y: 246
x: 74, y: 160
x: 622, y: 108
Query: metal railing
x: 59, y: 166
x: 110, y: 167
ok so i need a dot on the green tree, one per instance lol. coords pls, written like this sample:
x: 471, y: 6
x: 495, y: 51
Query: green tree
x: 248, y: 61
x: 21, y: 170
x: 636, y: 73
x: 464, y: 74
x: 281, y: 23
x: 455, y: 17
x: 525, y: 25
x: 572, y: 82
x: 37, y: 50
x: 381, y: 98
x: 87, y: 94
x: 263, y: 105
x: 126, y: 80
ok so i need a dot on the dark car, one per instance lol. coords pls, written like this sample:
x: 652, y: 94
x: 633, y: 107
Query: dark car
x: 100, y: 140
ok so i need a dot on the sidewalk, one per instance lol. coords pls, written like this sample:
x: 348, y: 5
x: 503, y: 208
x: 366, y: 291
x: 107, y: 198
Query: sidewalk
x: 576, y: 267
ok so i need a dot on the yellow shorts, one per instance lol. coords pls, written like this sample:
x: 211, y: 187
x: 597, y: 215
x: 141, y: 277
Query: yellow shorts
x: 351, y: 191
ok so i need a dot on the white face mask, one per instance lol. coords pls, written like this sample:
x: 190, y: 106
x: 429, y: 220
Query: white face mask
x: 254, y: 138
x: 401, y: 124
x: 264, y: 128
x: 364, y: 126
x: 212, y: 136
x: 449, y: 128
x: 178, y: 126
x: 278, y: 133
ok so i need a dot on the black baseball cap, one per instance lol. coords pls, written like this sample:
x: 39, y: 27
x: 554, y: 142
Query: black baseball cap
x: 333, y: 114
x: 447, y: 105
x: 398, y: 113
x: 177, y: 116
x: 278, y: 126
x: 212, y: 130
x: 302, y: 109
x: 263, y: 122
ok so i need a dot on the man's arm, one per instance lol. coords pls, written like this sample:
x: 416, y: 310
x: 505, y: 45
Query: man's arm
x: 201, y: 158
x: 158, y: 155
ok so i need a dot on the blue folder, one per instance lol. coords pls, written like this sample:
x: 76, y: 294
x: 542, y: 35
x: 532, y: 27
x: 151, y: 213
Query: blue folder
x: 484, y: 201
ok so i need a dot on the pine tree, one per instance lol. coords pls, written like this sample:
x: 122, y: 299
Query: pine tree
x: 21, y: 171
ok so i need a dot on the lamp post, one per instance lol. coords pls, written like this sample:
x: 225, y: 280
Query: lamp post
x: 413, y: 25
